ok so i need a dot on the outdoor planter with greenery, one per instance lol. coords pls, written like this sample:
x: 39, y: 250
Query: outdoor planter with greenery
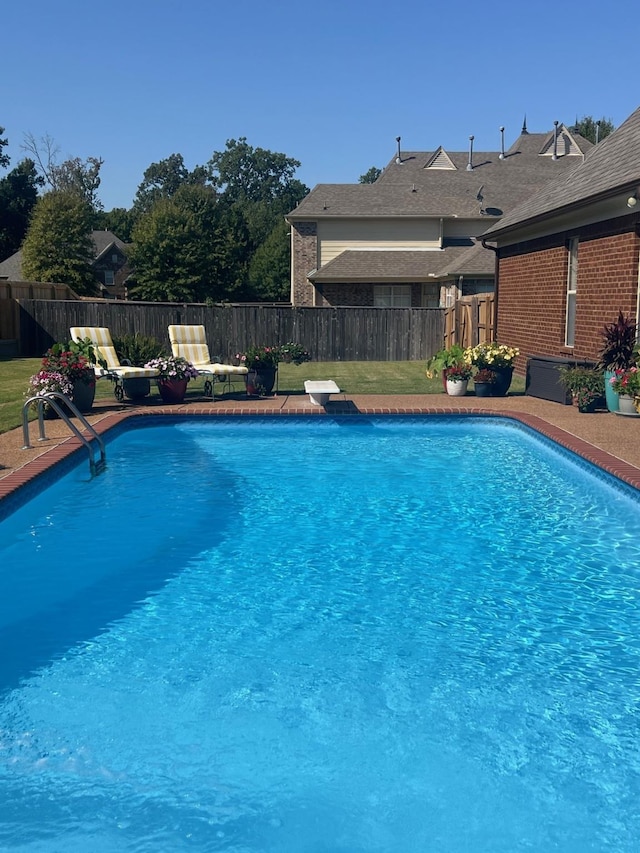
x: 68, y: 369
x: 586, y: 386
x: 444, y: 359
x: 498, y: 358
x: 619, y: 351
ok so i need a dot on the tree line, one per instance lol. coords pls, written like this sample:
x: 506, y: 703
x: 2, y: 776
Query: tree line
x: 213, y: 233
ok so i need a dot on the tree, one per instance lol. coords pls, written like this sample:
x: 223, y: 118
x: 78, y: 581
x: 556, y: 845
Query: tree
x: 270, y: 267
x: 187, y: 248
x: 119, y: 220
x: 244, y: 173
x: 73, y: 175
x: 58, y: 245
x: 587, y: 127
x: 260, y: 187
x: 371, y: 176
x: 4, y: 158
x: 164, y: 179
x: 18, y: 196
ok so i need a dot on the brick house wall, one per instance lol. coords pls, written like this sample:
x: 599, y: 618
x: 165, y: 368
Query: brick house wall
x: 532, y: 285
x: 305, y: 259
x: 360, y: 295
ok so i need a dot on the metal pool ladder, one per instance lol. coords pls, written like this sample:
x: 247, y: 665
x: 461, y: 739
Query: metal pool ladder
x: 58, y: 403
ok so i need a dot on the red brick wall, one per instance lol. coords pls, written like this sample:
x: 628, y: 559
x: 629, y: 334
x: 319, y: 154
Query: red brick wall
x: 532, y: 285
x: 305, y: 259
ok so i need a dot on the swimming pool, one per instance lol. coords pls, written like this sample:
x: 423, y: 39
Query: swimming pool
x: 322, y: 634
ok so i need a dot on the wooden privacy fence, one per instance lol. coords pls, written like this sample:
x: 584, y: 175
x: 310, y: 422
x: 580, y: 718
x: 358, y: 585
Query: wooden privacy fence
x: 10, y: 291
x: 330, y: 334
x: 470, y: 321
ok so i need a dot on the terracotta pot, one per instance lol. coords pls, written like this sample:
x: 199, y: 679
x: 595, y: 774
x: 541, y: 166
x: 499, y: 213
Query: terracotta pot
x: 172, y: 391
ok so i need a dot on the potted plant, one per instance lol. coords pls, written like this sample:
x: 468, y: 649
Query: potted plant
x: 626, y: 384
x: 173, y: 378
x: 483, y: 382
x: 46, y: 381
x: 499, y: 358
x: 586, y: 386
x: 618, y: 351
x: 136, y: 350
x: 457, y: 379
x: 293, y: 353
x: 444, y: 359
x: 262, y: 365
x: 75, y: 361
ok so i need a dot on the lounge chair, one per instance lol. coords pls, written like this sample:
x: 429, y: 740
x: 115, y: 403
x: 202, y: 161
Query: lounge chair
x: 190, y: 342
x: 106, y: 353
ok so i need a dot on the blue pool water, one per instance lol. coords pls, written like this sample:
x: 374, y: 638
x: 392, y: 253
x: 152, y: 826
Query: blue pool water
x: 322, y: 636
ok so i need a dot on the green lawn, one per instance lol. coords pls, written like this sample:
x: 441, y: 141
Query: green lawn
x: 352, y: 377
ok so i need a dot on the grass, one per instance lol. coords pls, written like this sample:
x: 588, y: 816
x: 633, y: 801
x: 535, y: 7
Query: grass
x: 352, y: 377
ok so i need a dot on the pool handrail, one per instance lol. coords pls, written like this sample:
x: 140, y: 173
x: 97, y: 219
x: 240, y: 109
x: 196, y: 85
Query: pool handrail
x: 55, y: 399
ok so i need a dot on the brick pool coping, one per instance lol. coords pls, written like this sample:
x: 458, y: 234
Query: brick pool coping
x: 27, y: 474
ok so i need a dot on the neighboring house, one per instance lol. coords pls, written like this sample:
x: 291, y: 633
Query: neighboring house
x: 409, y: 238
x: 568, y: 257
x: 109, y: 262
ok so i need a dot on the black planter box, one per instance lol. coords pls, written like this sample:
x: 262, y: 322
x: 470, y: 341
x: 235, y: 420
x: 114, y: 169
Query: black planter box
x: 543, y: 378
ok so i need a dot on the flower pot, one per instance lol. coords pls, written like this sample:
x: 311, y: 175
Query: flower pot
x: 457, y: 388
x: 483, y: 389
x: 136, y: 389
x: 172, y: 391
x: 260, y: 381
x: 502, y: 384
x: 612, y: 396
x: 626, y: 404
x: 84, y: 393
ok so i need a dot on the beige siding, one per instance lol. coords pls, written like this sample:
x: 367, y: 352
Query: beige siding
x: 336, y: 236
x: 466, y: 227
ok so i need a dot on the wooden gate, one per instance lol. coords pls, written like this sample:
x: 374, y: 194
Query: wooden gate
x: 470, y: 321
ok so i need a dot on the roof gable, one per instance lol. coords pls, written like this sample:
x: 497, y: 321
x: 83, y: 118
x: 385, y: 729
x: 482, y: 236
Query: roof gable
x: 612, y: 166
x: 440, y: 160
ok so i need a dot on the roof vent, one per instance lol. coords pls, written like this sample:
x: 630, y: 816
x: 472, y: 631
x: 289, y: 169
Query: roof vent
x: 398, y: 157
x: 555, y: 140
x: 501, y: 144
x: 470, y: 163
x: 597, y: 131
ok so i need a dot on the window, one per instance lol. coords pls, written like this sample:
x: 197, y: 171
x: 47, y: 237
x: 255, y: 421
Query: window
x: 392, y: 296
x: 108, y: 276
x: 572, y: 282
x: 115, y: 259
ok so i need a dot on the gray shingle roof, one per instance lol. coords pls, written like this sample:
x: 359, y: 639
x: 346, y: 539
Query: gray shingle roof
x: 612, y: 166
x: 410, y: 189
x: 367, y: 265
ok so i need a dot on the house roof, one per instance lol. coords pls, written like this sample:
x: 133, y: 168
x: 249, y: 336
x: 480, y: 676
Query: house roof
x: 103, y: 242
x: 366, y: 265
x: 11, y: 268
x: 611, y: 166
x: 438, y: 183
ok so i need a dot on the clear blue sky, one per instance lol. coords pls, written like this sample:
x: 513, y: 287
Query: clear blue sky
x: 330, y: 83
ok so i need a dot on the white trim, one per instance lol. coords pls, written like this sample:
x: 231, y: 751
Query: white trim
x: 572, y: 288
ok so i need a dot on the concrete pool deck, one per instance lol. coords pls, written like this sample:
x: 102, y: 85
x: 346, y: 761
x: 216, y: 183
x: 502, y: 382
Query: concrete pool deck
x: 608, y: 440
